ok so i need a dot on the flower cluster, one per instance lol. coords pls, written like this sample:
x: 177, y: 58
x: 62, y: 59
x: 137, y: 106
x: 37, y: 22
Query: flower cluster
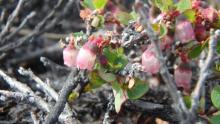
x: 85, y: 57
x: 182, y: 29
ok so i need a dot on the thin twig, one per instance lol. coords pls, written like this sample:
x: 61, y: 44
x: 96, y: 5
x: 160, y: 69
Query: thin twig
x: 18, y: 96
x: 47, y: 89
x: 69, y: 85
x: 37, y: 30
x: 152, y: 109
x: 204, y: 72
x: 34, y: 54
x: 18, y: 86
x: 52, y: 65
x: 28, y: 17
x: 11, y: 18
x: 179, y: 104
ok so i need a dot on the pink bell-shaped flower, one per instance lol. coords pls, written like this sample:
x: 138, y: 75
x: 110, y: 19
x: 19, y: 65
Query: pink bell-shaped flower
x: 150, y: 62
x: 184, y: 31
x: 69, y: 56
x: 182, y: 76
x: 209, y: 14
x: 87, y: 54
x: 85, y: 59
x: 70, y: 53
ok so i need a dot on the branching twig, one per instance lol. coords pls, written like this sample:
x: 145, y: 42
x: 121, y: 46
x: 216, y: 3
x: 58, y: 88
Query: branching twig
x: 18, y: 96
x: 18, y: 86
x: 11, y: 18
x: 37, y: 53
x: 69, y: 85
x: 47, y: 89
x: 155, y: 109
x: 204, y: 71
x: 179, y: 104
x: 31, y: 15
x: 55, y: 67
x: 41, y: 28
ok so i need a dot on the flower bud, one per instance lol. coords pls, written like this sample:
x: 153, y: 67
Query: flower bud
x: 184, y: 31
x: 200, y: 32
x: 209, y: 14
x: 182, y: 76
x: 69, y: 56
x: 150, y: 62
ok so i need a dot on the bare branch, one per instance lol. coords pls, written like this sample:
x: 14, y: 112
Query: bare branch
x: 31, y: 15
x: 179, y: 104
x: 39, y: 28
x: 204, y: 72
x: 47, y: 89
x: 18, y: 86
x: 11, y: 18
x: 70, y: 84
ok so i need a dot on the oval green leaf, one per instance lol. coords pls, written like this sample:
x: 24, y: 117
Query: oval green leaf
x: 215, y: 96
x: 195, y: 51
x: 100, y: 4
x: 139, y: 89
x: 215, y: 119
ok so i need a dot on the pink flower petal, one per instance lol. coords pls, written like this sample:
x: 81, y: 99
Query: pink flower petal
x: 183, y: 77
x: 69, y: 56
x: 150, y: 62
x: 184, y: 31
x: 85, y: 59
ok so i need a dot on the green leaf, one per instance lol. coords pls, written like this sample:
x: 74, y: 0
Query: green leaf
x: 88, y: 4
x: 115, y: 57
x: 120, y: 98
x: 163, y: 30
x: 190, y: 15
x: 98, y: 21
x: 195, y: 51
x: 124, y: 17
x: 120, y: 95
x: 78, y: 34
x: 164, y: 5
x: 217, y: 67
x: 73, y: 96
x: 108, y: 77
x: 215, y: 119
x: 116, y: 86
x: 138, y: 90
x: 183, y: 5
x: 187, y: 101
x: 215, y: 96
x: 111, y: 57
x: 95, y: 80
x: 218, y: 47
x: 120, y: 62
x: 134, y: 15
x: 100, y: 4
